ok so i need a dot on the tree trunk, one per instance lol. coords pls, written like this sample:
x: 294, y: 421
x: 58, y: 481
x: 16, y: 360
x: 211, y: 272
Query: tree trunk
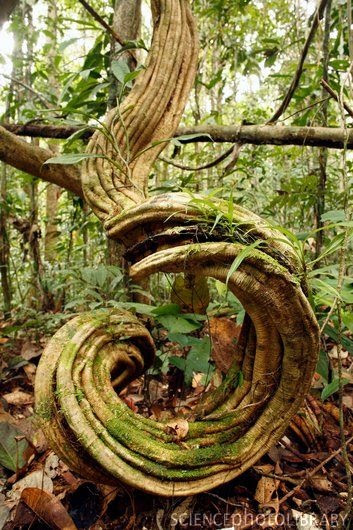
x: 323, y: 154
x: 6, y: 8
x: 4, y: 248
x: 53, y: 191
x: 126, y: 23
x: 52, y: 233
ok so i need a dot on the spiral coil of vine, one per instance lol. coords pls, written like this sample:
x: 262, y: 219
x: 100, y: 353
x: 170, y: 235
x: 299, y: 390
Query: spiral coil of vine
x: 95, y: 355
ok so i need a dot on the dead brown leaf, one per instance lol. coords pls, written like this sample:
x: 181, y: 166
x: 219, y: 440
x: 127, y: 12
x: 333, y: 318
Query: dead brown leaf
x: 48, y: 508
x: 321, y: 483
x: 36, y: 479
x: 30, y: 350
x: 224, y: 334
x: 18, y: 398
x: 181, y: 512
x: 179, y: 428
x: 265, y: 489
x: 30, y: 371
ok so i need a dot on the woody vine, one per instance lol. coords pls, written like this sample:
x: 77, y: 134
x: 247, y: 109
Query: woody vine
x: 84, y: 419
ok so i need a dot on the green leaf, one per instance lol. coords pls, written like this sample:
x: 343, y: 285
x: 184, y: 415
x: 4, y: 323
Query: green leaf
x: 178, y: 362
x: 241, y: 256
x: 334, y: 216
x: 324, y: 287
x: 178, y: 324
x: 71, y: 158
x: 133, y: 45
x: 348, y: 320
x: 131, y: 76
x: 101, y: 275
x: 77, y: 134
x: 197, y: 359
x: 143, y: 309
x: 323, y: 365
x: 14, y: 448
x: 167, y: 309
x: 333, y: 334
x: 182, y: 339
x: 67, y: 43
x: 339, y: 64
x: 331, y: 388
x: 120, y: 69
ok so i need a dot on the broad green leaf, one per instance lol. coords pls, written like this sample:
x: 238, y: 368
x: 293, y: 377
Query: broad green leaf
x: 334, y: 215
x: 101, y: 275
x: 133, y: 45
x: 178, y: 324
x: 67, y: 43
x: 143, y: 309
x: 120, y: 69
x: 197, y: 360
x: 78, y: 134
x: 348, y: 320
x: 167, y: 309
x: 14, y: 448
x: 131, y: 76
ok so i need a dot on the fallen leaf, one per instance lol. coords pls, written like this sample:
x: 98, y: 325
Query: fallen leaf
x: 321, y: 483
x: 36, y: 479
x: 30, y: 350
x: 179, y: 428
x: 305, y: 521
x: 333, y: 353
x: 224, y: 334
x: 130, y: 403
x: 4, y: 510
x: 181, y: 512
x: 30, y: 371
x: 348, y: 401
x: 48, y: 508
x: 51, y: 465
x: 328, y: 503
x: 264, y: 468
x: 15, y: 450
x: 18, y: 397
x: 265, y: 489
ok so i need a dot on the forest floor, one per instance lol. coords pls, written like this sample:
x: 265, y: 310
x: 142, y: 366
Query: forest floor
x: 300, y: 483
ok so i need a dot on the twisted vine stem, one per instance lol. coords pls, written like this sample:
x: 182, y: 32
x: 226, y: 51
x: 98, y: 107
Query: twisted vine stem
x: 137, y: 132
x: 96, y: 354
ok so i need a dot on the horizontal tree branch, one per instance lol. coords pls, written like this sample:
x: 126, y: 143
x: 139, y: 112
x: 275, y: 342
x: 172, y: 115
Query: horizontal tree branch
x: 331, y: 137
x: 30, y: 159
